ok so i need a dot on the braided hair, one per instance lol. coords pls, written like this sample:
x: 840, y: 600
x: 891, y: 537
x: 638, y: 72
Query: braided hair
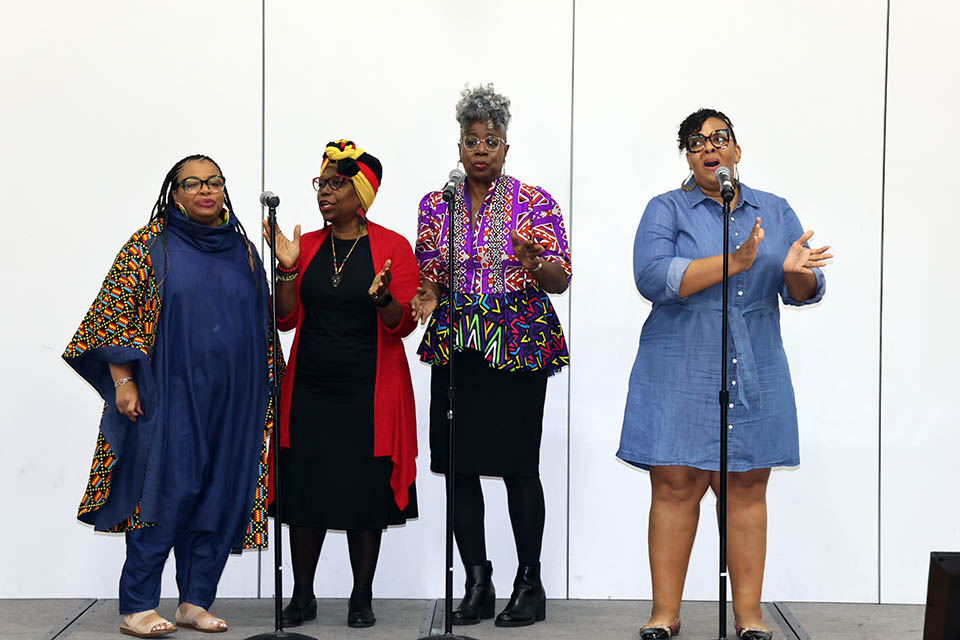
x: 162, y: 206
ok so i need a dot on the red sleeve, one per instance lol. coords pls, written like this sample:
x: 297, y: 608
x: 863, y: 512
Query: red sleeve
x: 406, y: 278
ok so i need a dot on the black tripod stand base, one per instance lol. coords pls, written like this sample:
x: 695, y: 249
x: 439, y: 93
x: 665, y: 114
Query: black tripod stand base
x: 273, y: 635
x: 446, y: 636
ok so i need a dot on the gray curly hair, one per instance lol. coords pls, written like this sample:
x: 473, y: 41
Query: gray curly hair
x: 483, y: 104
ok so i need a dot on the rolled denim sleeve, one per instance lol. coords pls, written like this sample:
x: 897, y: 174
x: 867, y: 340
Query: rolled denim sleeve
x: 794, y: 231
x: 657, y: 269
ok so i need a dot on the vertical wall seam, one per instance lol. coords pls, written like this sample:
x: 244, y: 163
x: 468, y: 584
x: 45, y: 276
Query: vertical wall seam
x: 573, y: 46
x: 883, y: 202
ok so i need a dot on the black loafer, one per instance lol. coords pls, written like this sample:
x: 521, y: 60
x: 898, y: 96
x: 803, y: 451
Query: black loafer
x: 295, y: 613
x: 360, y: 610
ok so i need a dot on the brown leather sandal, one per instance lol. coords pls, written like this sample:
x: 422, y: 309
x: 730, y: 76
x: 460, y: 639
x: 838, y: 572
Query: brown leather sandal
x: 209, y: 623
x: 146, y: 624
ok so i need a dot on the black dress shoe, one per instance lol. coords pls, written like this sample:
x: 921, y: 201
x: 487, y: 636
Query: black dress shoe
x: 479, y: 598
x: 296, y: 613
x: 528, y: 602
x: 360, y: 610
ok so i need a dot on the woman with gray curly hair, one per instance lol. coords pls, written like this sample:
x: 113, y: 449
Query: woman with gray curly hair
x: 513, y: 251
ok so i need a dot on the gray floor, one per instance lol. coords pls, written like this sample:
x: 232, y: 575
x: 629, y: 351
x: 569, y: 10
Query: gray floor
x: 408, y: 619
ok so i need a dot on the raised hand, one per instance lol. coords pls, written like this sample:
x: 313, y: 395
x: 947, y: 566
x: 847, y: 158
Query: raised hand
x: 288, y: 251
x: 801, y: 259
x: 128, y: 400
x: 381, y: 281
x: 424, y: 302
x: 527, y: 251
x: 742, y: 259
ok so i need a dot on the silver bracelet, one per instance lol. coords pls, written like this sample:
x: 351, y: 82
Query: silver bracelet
x: 122, y: 381
x: 537, y: 268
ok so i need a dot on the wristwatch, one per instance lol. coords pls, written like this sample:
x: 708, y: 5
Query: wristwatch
x: 384, y: 301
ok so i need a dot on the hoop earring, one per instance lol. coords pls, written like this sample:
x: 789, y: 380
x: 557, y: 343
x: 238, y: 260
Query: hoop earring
x: 688, y: 184
x: 736, y: 174
x: 180, y: 207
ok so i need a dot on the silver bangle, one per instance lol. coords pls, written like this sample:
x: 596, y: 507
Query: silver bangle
x: 122, y: 381
x: 537, y: 268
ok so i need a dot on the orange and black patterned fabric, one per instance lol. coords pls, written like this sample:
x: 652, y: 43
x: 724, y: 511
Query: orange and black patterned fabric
x: 124, y: 314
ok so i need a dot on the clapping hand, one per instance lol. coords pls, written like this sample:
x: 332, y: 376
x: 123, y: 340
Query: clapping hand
x: 288, y: 251
x: 744, y: 256
x: 801, y: 259
x: 424, y: 302
x: 527, y: 251
x: 381, y: 281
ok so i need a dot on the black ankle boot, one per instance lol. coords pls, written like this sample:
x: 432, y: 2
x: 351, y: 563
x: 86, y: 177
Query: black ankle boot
x: 298, y: 612
x: 479, y: 598
x: 360, y: 611
x: 528, y: 602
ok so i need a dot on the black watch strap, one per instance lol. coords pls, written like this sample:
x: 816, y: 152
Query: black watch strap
x: 384, y: 301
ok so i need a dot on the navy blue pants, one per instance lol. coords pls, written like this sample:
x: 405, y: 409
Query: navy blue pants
x: 200, y: 562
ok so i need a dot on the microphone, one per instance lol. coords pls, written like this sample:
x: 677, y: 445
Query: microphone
x: 722, y: 174
x: 269, y: 199
x: 455, y: 180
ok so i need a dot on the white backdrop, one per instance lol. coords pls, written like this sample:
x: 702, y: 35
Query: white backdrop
x: 99, y: 101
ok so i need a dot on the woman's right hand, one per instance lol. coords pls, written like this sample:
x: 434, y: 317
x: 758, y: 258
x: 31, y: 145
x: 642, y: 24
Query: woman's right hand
x: 743, y: 257
x: 288, y: 251
x: 424, y: 302
x: 128, y: 400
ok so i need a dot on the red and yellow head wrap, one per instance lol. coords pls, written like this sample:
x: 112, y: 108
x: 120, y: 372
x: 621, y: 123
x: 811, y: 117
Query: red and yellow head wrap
x: 362, y: 168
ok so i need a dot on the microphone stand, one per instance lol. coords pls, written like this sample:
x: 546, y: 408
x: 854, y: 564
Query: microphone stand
x: 278, y: 631
x: 724, y: 403
x: 448, y: 198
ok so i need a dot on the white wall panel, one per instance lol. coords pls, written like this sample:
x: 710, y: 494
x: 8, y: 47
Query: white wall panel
x: 920, y: 344
x: 99, y: 101
x: 803, y: 84
x: 388, y: 77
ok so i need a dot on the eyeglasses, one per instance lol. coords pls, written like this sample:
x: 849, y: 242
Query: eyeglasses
x: 192, y: 185
x: 720, y: 139
x: 335, y: 182
x: 492, y: 143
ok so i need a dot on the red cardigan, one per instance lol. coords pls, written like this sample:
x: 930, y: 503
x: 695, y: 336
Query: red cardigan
x: 394, y: 414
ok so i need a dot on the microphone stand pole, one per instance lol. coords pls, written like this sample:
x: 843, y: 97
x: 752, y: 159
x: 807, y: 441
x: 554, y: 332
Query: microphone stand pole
x: 448, y: 198
x: 724, y: 403
x: 278, y: 631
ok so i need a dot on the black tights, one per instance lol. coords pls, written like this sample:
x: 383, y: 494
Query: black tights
x: 305, y: 546
x: 527, y: 514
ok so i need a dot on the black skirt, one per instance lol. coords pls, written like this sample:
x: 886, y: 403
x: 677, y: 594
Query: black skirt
x: 499, y: 418
x: 329, y: 477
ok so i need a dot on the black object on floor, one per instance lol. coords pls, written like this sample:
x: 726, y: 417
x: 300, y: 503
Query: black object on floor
x: 941, y: 619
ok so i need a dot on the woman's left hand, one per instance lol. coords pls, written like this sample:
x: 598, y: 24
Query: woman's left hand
x: 381, y: 282
x: 801, y: 259
x: 527, y: 251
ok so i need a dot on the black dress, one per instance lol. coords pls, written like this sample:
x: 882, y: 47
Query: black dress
x: 329, y: 476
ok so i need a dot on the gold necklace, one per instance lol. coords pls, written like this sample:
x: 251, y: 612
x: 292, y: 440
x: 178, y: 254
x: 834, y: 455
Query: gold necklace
x: 336, y: 277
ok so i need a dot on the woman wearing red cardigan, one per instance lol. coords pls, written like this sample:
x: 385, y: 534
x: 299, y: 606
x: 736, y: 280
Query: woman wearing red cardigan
x: 347, y: 423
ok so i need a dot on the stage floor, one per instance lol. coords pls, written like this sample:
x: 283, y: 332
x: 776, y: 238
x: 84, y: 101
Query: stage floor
x: 88, y: 619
